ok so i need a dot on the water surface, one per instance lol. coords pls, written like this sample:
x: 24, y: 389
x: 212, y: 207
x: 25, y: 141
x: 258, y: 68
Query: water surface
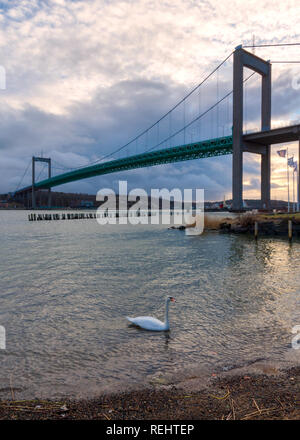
x: 66, y: 287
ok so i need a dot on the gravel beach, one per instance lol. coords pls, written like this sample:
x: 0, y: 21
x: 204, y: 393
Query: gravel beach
x: 275, y: 395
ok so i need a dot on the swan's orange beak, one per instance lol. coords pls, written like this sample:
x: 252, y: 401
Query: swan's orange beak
x: 173, y: 299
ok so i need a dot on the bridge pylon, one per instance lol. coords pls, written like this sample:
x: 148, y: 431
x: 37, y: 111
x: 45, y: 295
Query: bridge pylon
x: 48, y: 161
x: 241, y: 59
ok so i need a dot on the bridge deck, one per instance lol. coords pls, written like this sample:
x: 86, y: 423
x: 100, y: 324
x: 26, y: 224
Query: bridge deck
x: 197, y: 150
x: 275, y: 135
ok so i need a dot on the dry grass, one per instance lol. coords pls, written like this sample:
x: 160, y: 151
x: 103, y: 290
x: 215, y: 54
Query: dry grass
x: 295, y: 217
x: 213, y: 223
x: 290, y: 216
x: 226, y: 397
x: 248, y: 219
x: 244, y: 220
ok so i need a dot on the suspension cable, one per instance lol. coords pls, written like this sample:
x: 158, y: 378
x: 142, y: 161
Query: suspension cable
x: 200, y: 116
x: 43, y: 167
x: 273, y: 45
x: 195, y: 119
x: 23, y: 176
x: 286, y: 62
x: 160, y: 119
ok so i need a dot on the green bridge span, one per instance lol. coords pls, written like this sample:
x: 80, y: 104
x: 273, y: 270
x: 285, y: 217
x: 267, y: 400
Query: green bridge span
x: 197, y: 150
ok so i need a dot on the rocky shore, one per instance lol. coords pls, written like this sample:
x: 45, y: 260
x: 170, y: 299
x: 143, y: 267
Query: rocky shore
x: 274, y: 395
x: 267, y: 224
x: 276, y: 227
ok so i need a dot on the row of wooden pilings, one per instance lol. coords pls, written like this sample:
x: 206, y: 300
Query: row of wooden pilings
x: 80, y: 215
x: 55, y: 216
x: 290, y: 230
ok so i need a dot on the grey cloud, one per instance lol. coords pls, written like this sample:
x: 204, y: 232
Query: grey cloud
x: 276, y: 185
x: 136, y: 61
x: 254, y: 184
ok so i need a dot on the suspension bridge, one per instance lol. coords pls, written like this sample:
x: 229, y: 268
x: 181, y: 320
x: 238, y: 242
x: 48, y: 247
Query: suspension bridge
x: 186, y: 131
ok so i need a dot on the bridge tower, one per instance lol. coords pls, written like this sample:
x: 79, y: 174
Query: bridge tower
x: 48, y: 161
x: 241, y: 59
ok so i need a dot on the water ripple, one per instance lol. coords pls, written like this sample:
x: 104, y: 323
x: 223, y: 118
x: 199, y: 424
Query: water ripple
x: 67, y: 287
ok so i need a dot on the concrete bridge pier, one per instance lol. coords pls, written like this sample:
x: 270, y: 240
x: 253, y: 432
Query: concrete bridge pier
x: 241, y: 59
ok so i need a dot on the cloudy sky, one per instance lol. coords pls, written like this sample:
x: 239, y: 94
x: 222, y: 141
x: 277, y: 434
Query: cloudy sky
x: 83, y: 77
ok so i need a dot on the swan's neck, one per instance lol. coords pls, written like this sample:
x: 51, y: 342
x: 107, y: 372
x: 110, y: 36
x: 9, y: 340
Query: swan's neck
x: 167, y: 314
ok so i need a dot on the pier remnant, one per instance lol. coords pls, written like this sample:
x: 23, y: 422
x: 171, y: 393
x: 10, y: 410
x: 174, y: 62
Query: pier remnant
x: 255, y: 230
x: 290, y: 229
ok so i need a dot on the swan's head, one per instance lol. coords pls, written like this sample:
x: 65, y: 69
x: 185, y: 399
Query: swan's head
x: 171, y: 298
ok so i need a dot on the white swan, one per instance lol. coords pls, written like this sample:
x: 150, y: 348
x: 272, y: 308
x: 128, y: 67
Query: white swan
x: 150, y: 323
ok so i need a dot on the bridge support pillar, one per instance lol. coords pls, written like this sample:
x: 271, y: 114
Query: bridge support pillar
x: 237, y: 132
x: 33, y: 205
x: 241, y: 59
x: 48, y: 161
x: 49, y: 190
x: 265, y: 179
x: 266, y: 125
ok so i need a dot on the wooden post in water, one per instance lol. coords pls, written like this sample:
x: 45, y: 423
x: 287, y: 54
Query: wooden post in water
x: 255, y: 230
x: 290, y: 229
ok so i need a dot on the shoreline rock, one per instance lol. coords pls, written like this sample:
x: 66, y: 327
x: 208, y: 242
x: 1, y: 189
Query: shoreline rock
x: 277, y: 227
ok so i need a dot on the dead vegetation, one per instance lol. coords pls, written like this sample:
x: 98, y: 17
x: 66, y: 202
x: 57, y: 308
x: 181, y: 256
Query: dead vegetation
x: 214, y: 223
x: 247, y: 221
